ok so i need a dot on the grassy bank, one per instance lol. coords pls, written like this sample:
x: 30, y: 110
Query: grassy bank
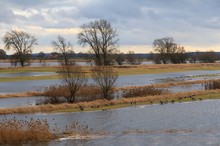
x: 124, y: 102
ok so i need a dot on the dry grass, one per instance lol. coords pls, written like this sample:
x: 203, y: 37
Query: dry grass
x: 23, y: 131
x: 22, y: 94
x: 102, y: 104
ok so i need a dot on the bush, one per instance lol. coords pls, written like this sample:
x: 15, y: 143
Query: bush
x: 56, y: 94
x: 212, y: 85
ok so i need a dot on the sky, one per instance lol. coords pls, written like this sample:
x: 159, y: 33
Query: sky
x: 194, y: 24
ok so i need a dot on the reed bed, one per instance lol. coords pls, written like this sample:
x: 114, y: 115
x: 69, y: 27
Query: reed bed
x: 15, y: 131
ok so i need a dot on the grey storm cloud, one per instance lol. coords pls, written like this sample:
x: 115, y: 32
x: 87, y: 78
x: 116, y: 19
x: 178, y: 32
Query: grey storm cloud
x: 137, y: 21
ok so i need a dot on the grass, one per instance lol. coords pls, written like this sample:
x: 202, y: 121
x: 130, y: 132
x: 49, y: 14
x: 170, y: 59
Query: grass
x: 22, y: 94
x: 16, y: 79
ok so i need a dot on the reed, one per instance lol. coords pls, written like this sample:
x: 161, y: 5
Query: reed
x: 15, y: 131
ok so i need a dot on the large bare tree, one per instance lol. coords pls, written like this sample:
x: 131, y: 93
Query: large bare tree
x: 21, y: 42
x: 105, y: 78
x: 101, y: 38
x: 64, y: 47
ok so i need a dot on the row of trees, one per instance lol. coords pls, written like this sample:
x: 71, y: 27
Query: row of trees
x: 102, y: 39
x: 99, y: 35
x: 167, y: 51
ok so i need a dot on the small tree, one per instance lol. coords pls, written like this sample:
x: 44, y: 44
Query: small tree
x: 132, y: 58
x: 120, y: 58
x: 64, y: 47
x: 3, y: 54
x: 74, y: 78
x: 105, y: 78
x: 41, y: 56
x: 208, y: 57
x: 22, y: 43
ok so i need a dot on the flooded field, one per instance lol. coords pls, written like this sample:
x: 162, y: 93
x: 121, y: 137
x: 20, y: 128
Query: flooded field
x: 20, y: 102
x: 55, y: 63
x: 131, y: 80
x: 26, y: 74
x: 191, y: 123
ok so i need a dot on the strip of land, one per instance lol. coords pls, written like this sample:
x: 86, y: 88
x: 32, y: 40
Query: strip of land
x: 122, y: 70
x: 124, y: 102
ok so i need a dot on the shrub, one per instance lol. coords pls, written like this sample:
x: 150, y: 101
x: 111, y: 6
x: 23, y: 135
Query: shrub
x: 212, y: 85
x: 56, y: 93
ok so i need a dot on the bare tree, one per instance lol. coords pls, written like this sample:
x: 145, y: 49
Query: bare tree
x: 167, y: 50
x: 179, y: 56
x: 208, y: 57
x: 73, y: 78
x: 164, y: 47
x: 101, y: 38
x: 21, y: 42
x: 105, y: 78
x: 64, y: 47
x: 120, y: 58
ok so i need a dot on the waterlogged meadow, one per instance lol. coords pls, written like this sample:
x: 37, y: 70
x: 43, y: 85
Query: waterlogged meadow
x: 154, y: 108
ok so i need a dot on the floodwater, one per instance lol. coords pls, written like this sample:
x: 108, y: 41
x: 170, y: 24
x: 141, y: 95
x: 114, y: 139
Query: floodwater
x: 55, y: 63
x: 178, y: 124
x: 26, y: 74
x: 38, y: 64
x: 20, y: 102
x: 186, y: 88
x: 131, y: 80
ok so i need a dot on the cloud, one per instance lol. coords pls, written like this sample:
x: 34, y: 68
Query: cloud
x: 194, y: 23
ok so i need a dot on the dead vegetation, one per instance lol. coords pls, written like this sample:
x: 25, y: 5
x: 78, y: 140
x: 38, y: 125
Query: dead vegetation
x: 212, y: 85
x: 15, y: 131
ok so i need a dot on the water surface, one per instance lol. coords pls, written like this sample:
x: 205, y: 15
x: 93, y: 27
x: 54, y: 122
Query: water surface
x: 190, y: 123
